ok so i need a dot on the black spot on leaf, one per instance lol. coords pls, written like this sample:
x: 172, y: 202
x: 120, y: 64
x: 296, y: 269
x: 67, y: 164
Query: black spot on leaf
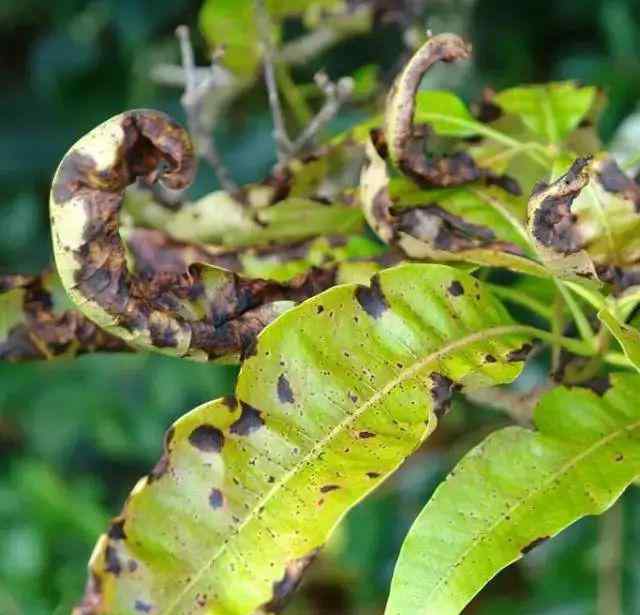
x: 328, y: 488
x: 250, y: 420
x: 112, y: 561
x: 285, y: 394
x: 533, y: 544
x: 520, y: 354
x: 456, y: 289
x: 372, y: 299
x: 283, y: 588
x: 142, y: 607
x: 442, y: 389
x: 207, y: 438
x: 116, y: 531
x: 489, y: 358
x: 366, y: 434
x: 373, y: 474
x: 216, y: 498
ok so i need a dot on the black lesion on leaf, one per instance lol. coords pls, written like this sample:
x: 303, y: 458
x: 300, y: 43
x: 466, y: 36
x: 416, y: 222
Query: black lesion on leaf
x: 230, y: 402
x: 283, y: 589
x: 614, y: 180
x: 489, y: 358
x: 216, y: 498
x: 363, y: 435
x: 448, y: 232
x: 142, y: 607
x: 455, y: 289
x: 116, y: 530
x: 328, y: 488
x: 250, y: 420
x: 442, y: 390
x: 554, y: 225
x: 533, y: 544
x: 285, y: 394
x: 519, y: 354
x: 112, y: 562
x: 373, y: 474
x: 372, y: 299
x: 207, y: 438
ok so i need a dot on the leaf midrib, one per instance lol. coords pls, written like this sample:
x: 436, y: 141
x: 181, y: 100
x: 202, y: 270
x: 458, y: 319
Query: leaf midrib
x: 337, y: 429
x: 534, y: 492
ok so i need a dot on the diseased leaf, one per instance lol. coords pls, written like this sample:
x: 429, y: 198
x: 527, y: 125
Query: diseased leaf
x: 207, y: 313
x: 339, y: 391
x: 515, y: 490
x: 552, y: 110
x: 37, y: 321
x: 587, y: 222
x: 458, y: 224
x: 406, y: 141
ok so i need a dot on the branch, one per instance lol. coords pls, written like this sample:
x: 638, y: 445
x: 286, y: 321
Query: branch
x: 196, y: 92
x: 265, y: 29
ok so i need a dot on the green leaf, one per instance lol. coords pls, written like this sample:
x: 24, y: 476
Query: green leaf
x: 445, y: 113
x: 628, y: 337
x: 516, y: 489
x: 552, y: 111
x: 340, y: 391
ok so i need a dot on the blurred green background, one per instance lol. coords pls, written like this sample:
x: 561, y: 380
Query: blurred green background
x: 75, y: 436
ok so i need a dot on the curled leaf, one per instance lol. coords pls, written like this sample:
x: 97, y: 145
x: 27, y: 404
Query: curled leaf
x: 406, y: 141
x: 37, y: 321
x: 339, y: 391
x: 206, y: 313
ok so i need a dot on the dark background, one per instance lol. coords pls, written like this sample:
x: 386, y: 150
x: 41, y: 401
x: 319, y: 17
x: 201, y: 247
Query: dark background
x: 75, y: 436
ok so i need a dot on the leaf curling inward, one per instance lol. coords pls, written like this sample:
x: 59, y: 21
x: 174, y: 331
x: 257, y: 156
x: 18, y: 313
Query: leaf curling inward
x: 405, y: 140
x: 207, y: 313
x: 339, y: 391
x: 440, y: 229
x: 515, y: 490
x: 587, y: 223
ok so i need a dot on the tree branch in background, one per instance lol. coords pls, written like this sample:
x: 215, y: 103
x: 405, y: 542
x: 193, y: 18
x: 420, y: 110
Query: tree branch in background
x: 196, y: 91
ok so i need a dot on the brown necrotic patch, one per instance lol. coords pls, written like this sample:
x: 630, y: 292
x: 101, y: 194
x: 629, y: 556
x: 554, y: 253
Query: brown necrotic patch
x: 442, y: 389
x: 363, y: 435
x: 447, y: 232
x: 207, y: 438
x: 285, y: 394
x: 250, y: 420
x: 408, y: 140
x: 614, y: 180
x: 553, y: 223
x: 283, y: 588
x: 216, y: 498
x: 157, y: 300
x: 328, y: 488
x: 372, y: 299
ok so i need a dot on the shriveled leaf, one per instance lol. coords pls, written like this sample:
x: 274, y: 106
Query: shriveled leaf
x: 457, y: 224
x: 515, y: 490
x: 207, y: 313
x: 587, y: 222
x: 406, y: 141
x: 37, y: 321
x: 552, y: 110
x: 339, y: 391
x: 628, y: 337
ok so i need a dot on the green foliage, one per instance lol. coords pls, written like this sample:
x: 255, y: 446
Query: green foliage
x: 427, y: 178
x: 339, y: 392
x: 517, y: 489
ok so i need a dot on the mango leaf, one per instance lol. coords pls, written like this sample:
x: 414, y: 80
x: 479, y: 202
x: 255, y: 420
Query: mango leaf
x: 552, y: 111
x: 515, y: 490
x: 445, y: 113
x: 587, y: 222
x: 339, y: 391
x: 473, y: 223
x: 37, y: 321
x: 628, y: 337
